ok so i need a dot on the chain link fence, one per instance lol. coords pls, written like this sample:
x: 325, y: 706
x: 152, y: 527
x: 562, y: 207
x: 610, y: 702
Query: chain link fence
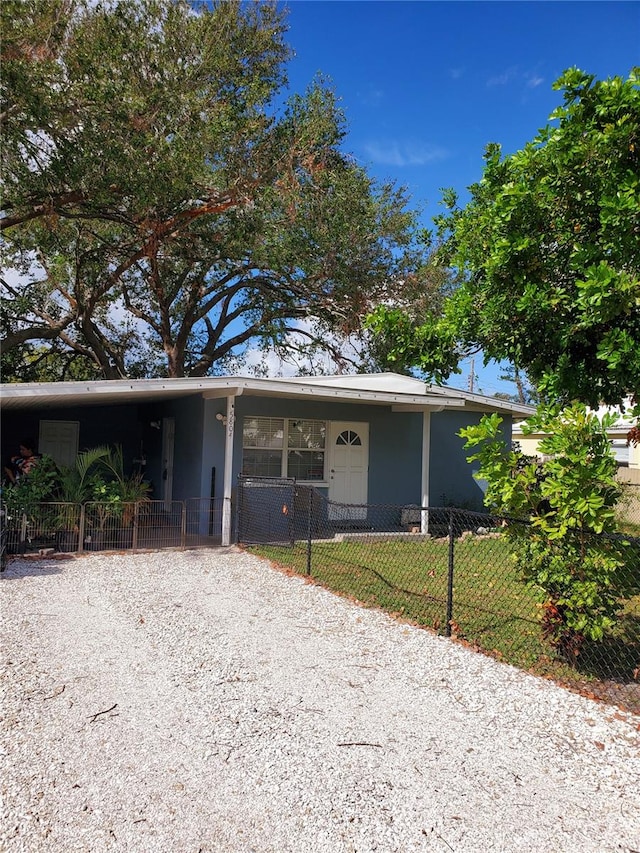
x: 447, y: 569
x: 629, y: 507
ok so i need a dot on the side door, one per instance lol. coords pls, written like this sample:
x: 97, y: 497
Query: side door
x: 168, y: 439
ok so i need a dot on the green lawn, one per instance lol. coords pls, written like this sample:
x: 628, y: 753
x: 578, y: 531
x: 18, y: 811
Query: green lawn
x: 492, y: 609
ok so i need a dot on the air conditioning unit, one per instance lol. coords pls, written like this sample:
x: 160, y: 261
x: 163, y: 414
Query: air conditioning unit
x: 410, y: 515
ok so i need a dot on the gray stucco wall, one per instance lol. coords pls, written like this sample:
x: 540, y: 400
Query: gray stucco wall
x: 395, y: 448
x: 451, y: 480
x: 130, y: 427
x: 213, y: 442
x: 110, y: 425
x: 394, y: 441
x: 396, y: 458
x: 98, y: 425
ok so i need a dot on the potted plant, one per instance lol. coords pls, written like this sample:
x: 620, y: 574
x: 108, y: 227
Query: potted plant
x: 23, y: 503
x: 116, y: 501
x: 76, y: 485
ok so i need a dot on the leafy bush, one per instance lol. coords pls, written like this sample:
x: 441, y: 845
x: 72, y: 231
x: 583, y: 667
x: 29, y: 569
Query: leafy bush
x: 558, y: 509
x: 24, y: 496
x: 97, y: 475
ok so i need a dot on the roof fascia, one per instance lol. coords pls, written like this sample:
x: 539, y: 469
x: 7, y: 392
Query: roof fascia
x: 222, y: 393
x: 292, y: 389
x: 438, y: 407
x: 434, y: 398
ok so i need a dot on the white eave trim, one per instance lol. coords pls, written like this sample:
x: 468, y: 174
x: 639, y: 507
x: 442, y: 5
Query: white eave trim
x: 291, y: 388
x: 437, y: 407
x: 220, y: 393
x: 434, y: 398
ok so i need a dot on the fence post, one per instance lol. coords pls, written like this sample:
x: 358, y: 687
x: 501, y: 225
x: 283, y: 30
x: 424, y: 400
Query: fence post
x: 134, y: 538
x: 450, y: 575
x: 237, y: 511
x: 81, y: 526
x: 309, y: 517
x: 183, y: 526
x: 23, y: 533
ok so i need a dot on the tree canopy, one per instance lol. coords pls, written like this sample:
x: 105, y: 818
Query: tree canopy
x: 164, y: 206
x: 548, y: 255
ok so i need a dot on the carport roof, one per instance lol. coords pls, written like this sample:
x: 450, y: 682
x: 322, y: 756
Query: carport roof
x: 389, y: 389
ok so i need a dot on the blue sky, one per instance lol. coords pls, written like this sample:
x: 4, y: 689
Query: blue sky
x: 426, y: 85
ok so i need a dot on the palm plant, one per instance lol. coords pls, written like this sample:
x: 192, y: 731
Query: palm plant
x: 77, y: 483
x: 121, y: 492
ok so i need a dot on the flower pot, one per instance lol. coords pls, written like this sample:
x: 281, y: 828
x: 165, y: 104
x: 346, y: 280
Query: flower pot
x: 13, y: 543
x: 66, y: 541
x: 115, y: 539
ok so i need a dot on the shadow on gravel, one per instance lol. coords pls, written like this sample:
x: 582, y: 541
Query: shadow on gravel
x: 18, y: 567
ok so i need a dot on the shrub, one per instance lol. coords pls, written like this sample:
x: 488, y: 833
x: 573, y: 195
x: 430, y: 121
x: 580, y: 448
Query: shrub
x: 558, y: 510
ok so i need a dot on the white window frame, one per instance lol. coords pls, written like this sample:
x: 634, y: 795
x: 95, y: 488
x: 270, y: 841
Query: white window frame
x: 285, y: 449
x: 45, y: 443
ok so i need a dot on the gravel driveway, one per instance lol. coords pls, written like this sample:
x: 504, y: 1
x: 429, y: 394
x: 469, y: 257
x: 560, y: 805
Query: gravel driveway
x: 203, y: 701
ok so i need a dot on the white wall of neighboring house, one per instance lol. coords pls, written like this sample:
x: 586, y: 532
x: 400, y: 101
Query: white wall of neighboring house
x: 528, y: 444
x: 629, y: 505
x: 626, y: 456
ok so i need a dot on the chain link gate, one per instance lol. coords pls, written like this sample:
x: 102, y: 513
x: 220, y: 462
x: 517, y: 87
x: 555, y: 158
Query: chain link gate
x: 266, y: 511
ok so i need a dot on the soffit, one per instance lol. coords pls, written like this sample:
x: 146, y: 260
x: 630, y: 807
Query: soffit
x: 414, y: 396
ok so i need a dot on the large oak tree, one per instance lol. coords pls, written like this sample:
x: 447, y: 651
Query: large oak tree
x: 165, y: 207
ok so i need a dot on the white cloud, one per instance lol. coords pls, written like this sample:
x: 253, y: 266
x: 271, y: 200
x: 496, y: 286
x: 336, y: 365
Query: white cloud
x: 394, y: 153
x: 268, y: 364
x: 515, y: 75
x: 502, y: 79
x: 533, y: 81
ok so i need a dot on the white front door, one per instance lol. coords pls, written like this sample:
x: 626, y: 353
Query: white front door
x: 168, y: 436
x: 348, y: 468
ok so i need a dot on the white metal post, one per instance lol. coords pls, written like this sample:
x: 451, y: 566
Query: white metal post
x: 426, y: 445
x: 228, y: 470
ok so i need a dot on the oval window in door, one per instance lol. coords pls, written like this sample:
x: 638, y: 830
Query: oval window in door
x: 348, y: 437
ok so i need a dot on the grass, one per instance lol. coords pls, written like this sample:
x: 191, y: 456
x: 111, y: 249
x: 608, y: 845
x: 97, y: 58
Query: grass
x: 492, y: 608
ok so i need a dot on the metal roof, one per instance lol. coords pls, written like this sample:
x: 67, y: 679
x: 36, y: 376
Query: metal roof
x: 388, y: 389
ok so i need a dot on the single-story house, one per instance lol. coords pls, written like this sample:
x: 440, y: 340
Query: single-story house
x: 358, y: 439
x: 627, y: 456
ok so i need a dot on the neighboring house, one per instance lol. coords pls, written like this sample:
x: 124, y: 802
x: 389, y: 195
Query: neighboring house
x: 376, y: 439
x: 626, y: 456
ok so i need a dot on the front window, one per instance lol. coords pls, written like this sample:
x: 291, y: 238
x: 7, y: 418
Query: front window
x: 306, y: 444
x: 264, y: 441
x: 262, y: 445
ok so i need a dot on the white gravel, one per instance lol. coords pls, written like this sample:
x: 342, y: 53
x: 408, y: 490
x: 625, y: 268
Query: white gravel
x: 251, y: 711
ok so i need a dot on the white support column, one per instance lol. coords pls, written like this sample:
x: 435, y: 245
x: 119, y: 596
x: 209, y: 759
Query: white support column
x: 228, y: 470
x: 426, y: 446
